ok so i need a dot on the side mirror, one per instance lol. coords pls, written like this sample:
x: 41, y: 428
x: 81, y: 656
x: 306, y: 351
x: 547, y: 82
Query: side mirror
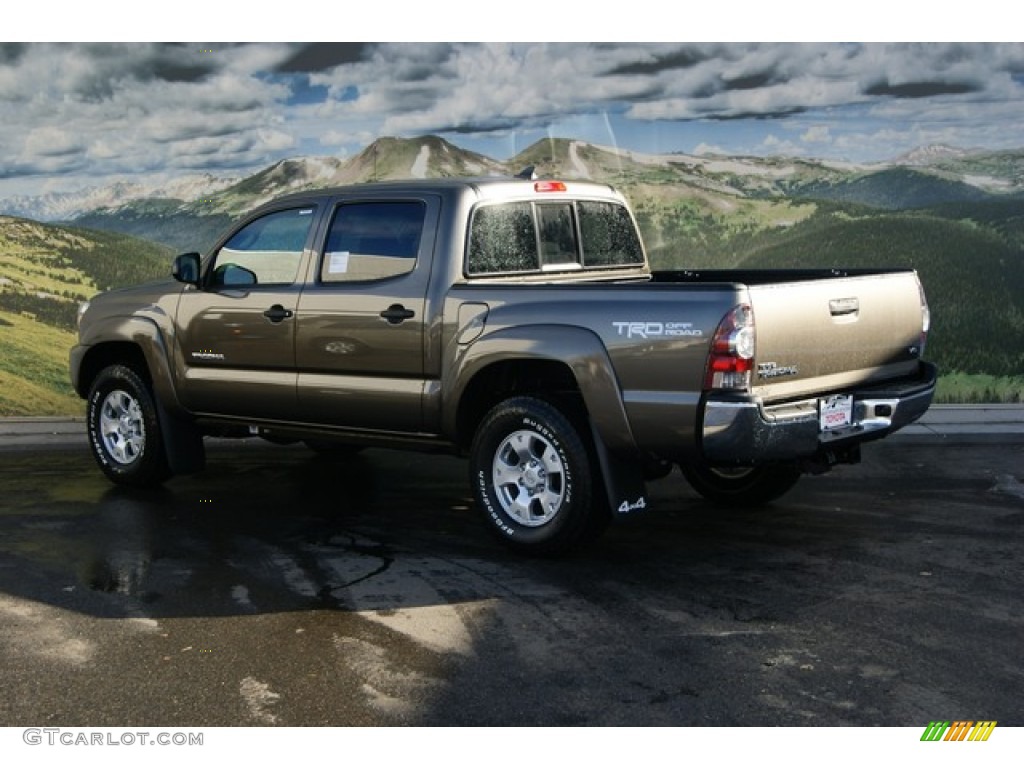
x: 186, y: 268
x: 232, y: 276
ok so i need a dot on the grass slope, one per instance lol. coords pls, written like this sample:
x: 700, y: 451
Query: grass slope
x: 45, y: 271
x: 34, y: 369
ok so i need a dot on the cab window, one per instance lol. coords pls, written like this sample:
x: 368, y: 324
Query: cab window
x: 528, y: 237
x: 503, y: 239
x: 373, y: 241
x: 608, y: 236
x: 266, y: 251
x: 557, y: 236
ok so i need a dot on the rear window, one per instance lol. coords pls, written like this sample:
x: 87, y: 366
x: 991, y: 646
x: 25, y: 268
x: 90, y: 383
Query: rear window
x: 502, y: 239
x: 528, y: 237
x: 608, y: 235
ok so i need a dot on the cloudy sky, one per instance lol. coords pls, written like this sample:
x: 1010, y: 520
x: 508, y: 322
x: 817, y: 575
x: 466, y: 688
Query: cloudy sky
x: 82, y: 113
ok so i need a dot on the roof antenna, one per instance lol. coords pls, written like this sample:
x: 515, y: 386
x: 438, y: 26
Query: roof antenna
x: 528, y: 173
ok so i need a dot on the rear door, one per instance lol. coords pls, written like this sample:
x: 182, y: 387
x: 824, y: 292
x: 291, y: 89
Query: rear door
x: 363, y: 316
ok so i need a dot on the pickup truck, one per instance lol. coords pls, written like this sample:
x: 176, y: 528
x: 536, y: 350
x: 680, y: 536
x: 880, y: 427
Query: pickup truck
x: 515, y: 322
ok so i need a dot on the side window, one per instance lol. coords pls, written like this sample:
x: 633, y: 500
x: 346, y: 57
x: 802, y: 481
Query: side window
x: 609, y: 238
x: 266, y: 251
x: 502, y: 239
x: 373, y: 241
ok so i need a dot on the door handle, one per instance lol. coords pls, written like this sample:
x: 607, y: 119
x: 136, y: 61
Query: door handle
x: 277, y: 313
x: 396, y: 313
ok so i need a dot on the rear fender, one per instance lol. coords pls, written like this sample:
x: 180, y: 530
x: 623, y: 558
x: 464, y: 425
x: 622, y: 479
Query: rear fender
x: 579, y: 349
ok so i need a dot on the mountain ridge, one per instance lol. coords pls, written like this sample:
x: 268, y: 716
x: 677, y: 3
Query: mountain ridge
x: 993, y: 172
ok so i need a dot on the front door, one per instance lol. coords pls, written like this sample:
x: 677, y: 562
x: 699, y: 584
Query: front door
x: 237, y: 332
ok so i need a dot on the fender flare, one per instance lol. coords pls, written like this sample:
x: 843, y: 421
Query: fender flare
x: 183, y: 442
x: 144, y: 334
x: 583, y: 352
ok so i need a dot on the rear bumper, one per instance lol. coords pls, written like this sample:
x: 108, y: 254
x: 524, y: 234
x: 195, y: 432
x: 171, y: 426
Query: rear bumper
x: 742, y: 431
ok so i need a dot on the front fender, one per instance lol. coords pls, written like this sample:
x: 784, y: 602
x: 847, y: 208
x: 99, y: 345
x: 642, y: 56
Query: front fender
x: 101, y: 337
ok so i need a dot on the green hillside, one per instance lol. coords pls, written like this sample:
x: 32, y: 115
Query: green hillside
x: 34, y: 369
x: 892, y: 189
x: 45, y: 272
x: 1004, y: 216
x: 687, y: 227
x: 178, y: 228
x: 973, y: 278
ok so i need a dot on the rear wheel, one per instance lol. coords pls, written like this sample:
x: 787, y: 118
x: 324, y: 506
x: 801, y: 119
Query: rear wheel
x: 531, y: 475
x: 124, y: 431
x: 741, y: 486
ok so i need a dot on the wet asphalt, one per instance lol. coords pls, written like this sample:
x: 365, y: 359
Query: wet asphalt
x: 283, y: 588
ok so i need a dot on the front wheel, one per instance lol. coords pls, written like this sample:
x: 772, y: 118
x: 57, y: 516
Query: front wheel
x: 531, y: 475
x: 742, y: 486
x: 124, y: 431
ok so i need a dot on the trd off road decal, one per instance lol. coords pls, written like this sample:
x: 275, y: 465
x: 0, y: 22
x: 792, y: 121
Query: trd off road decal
x: 640, y: 329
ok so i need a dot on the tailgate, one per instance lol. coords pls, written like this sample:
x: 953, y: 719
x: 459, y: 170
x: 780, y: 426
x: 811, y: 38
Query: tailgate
x: 825, y: 335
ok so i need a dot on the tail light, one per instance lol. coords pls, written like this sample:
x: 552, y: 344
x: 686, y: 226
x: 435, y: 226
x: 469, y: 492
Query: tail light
x: 549, y: 186
x: 731, y: 359
x: 926, y: 318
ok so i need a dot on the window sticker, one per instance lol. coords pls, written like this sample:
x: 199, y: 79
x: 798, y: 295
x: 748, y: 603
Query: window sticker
x: 337, y: 263
x: 306, y: 212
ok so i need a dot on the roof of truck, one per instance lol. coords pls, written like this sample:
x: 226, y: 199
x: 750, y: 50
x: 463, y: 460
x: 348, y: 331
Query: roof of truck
x: 484, y: 186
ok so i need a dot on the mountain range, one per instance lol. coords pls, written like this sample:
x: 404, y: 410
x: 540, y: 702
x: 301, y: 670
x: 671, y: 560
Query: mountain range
x: 927, y: 176
x: 955, y: 215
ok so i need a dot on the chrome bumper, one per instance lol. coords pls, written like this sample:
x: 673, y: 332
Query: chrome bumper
x: 738, y: 431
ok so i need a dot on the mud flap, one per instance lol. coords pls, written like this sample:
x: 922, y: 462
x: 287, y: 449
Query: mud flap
x: 623, y: 482
x: 183, y: 443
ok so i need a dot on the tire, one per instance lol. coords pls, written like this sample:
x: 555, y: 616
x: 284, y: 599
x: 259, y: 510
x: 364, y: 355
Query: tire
x: 741, y: 486
x: 124, y: 431
x: 532, y: 478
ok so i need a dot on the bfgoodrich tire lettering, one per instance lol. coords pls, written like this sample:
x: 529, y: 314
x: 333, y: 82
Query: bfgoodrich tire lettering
x: 124, y: 431
x: 531, y: 476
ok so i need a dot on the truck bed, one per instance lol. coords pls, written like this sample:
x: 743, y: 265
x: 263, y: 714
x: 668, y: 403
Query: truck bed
x: 824, y: 330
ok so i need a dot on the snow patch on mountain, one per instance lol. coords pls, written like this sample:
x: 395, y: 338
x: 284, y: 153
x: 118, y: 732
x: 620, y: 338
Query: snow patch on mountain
x: 577, y: 162
x: 931, y: 154
x: 989, y: 183
x: 419, y: 167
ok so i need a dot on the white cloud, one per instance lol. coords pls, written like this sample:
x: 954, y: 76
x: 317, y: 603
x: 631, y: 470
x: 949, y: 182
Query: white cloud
x: 708, y: 149
x: 817, y: 134
x: 104, y: 109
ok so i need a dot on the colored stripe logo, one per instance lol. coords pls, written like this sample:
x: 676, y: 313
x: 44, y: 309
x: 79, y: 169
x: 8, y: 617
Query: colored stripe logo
x: 959, y: 730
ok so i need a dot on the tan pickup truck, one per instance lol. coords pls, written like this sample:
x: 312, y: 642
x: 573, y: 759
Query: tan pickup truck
x: 515, y: 322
